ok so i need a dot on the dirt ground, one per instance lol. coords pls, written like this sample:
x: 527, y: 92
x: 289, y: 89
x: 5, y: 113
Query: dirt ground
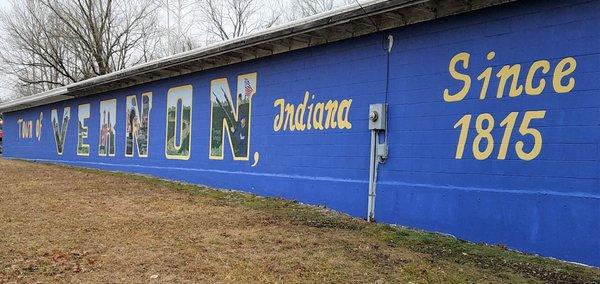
x: 74, y: 225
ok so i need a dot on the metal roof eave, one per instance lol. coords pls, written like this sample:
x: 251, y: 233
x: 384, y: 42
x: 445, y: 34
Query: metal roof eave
x: 48, y: 97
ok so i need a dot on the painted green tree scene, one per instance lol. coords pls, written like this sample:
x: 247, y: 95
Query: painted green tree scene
x: 235, y: 119
x: 179, y: 123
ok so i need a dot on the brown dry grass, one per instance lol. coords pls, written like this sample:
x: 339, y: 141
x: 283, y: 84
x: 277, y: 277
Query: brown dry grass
x: 73, y: 225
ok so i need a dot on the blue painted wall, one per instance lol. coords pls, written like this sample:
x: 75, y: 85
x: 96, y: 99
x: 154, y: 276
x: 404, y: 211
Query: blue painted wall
x: 549, y: 205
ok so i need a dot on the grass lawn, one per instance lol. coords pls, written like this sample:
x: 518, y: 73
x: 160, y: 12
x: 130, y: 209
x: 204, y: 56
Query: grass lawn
x: 64, y: 224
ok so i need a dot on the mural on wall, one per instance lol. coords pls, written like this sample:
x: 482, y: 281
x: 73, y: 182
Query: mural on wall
x: 38, y: 127
x: 307, y: 116
x: 137, y: 125
x: 483, y: 144
x: 179, y: 123
x: 232, y: 118
x: 83, y: 113
x: 231, y: 114
x: 60, y: 130
x: 108, y: 117
x: 25, y: 128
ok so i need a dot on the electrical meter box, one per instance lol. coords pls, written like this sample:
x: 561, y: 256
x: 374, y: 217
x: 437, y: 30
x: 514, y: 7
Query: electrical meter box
x: 377, y: 116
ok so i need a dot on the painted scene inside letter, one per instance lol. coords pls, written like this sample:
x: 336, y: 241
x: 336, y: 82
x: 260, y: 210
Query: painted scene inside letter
x: 231, y: 117
x: 59, y: 128
x: 179, y: 123
x: 108, y: 117
x: 137, y: 122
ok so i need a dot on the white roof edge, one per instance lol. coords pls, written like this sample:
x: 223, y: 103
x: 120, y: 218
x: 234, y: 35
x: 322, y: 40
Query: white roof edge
x: 37, y: 99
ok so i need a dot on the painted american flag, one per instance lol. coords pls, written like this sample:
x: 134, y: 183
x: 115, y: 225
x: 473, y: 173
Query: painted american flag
x: 248, y: 90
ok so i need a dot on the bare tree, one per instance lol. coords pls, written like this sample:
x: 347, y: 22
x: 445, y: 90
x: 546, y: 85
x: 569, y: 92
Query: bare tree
x: 178, y: 31
x: 227, y: 19
x: 305, y: 8
x: 24, y: 42
x: 57, y: 42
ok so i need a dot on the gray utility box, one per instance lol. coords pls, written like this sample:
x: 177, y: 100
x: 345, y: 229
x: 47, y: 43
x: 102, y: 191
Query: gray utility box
x: 377, y: 116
